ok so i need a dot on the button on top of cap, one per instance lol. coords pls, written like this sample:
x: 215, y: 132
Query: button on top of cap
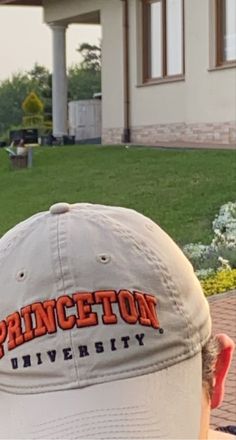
x: 60, y: 208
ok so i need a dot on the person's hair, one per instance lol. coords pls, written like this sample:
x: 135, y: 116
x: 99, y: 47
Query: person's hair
x: 210, y: 352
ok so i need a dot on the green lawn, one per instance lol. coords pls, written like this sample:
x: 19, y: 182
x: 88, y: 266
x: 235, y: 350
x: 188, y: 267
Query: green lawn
x: 181, y: 190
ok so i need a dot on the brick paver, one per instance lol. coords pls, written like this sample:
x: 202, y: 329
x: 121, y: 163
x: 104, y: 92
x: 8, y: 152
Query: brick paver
x: 223, y: 312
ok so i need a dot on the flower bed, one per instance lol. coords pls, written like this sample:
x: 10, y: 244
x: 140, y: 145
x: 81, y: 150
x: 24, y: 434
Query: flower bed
x: 215, y: 264
x: 219, y: 282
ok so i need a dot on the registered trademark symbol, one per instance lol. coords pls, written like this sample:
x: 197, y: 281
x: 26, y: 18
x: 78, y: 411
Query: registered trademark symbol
x: 161, y: 331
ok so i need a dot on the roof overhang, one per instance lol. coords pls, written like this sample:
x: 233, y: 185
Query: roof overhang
x: 21, y: 2
x: 92, y: 17
x: 89, y: 18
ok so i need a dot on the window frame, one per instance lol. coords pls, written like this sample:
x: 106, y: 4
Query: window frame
x: 220, y: 61
x: 147, y: 79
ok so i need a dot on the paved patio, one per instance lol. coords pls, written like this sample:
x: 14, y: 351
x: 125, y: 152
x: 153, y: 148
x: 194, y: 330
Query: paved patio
x: 223, y: 311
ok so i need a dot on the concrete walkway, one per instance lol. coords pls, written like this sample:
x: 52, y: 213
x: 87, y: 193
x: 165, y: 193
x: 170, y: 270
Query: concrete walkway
x: 223, y: 312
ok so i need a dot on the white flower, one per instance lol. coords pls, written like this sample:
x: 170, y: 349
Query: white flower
x: 195, y: 250
x: 224, y: 240
x: 224, y: 227
x: 204, y: 273
x: 224, y: 264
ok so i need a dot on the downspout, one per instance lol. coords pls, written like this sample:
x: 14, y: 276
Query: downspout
x: 126, y: 137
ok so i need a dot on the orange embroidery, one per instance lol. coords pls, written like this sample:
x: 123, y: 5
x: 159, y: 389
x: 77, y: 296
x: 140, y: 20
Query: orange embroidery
x: 64, y: 322
x: 147, y: 306
x: 106, y: 298
x: 3, y: 335
x: 83, y: 303
x: 76, y: 310
x: 15, y: 336
x: 45, y: 317
x: 128, y: 309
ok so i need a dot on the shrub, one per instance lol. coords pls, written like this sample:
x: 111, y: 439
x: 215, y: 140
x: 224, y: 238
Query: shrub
x: 32, y: 104
x: 223, y: 245
x: 219, y: 282
x: 33, y: 108
x: 32, y: 121
x: 215, y: 264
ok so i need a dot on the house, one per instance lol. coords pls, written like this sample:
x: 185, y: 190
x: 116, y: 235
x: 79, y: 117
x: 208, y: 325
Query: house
x: 168, y: 68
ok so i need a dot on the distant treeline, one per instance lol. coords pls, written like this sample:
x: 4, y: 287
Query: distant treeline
x: 84, y: 80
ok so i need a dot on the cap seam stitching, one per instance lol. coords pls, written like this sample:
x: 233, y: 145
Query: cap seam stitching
x: 63, y: 281
x: 162, y: 268
x: 167, y: 279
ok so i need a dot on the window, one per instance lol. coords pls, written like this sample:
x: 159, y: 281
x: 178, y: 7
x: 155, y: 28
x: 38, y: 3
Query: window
x: 163, y: 41
x: 226, y: 31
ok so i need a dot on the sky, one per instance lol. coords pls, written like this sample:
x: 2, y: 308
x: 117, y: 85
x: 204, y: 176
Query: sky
x: 25, y: 40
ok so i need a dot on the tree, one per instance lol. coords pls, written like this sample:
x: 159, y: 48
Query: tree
x: 12, y: 94
x: 41, y: 80
x: 14, y: 90
x: 32, y: 104
x: 82, y: 84
x: 33, y: 109
x: 84, y: 79
x: 39, y: 75
x: 92, y: 56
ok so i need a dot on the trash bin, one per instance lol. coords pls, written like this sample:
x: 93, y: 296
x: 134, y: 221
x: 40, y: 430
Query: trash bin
x: 19, y: 161
x: 68, y: 140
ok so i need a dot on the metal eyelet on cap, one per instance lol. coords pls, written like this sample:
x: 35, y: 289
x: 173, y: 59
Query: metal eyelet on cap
x: 21, y: 275
x: 103, y: 258
x: 59, y: 208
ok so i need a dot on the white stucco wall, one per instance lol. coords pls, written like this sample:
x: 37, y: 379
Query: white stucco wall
x: 112, y: 64
x: 112, y: 49
x: 210, y: 95
x: 202, y: 97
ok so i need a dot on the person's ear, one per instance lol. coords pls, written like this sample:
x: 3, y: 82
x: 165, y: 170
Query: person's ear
x: 221, y: 368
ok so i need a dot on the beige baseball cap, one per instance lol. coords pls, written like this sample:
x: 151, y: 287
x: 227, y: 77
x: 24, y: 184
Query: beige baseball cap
x: 102, y: 321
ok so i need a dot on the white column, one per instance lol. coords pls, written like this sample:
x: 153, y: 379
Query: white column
x: 59, y: 81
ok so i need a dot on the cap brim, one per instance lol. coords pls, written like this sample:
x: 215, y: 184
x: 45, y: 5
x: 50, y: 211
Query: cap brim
x: 161, y: 405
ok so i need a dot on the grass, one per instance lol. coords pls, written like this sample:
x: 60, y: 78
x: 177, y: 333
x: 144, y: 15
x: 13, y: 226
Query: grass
x: 181, y: 190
